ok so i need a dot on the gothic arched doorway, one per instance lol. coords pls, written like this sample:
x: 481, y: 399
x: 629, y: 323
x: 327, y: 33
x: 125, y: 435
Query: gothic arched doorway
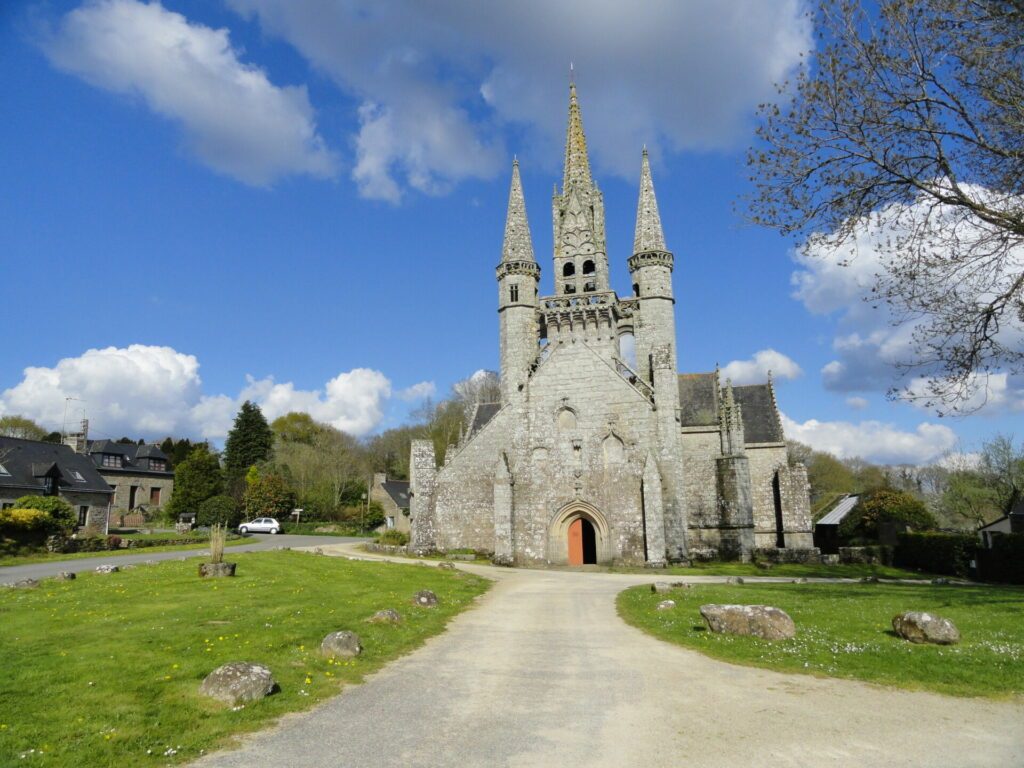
x: 582, y: 542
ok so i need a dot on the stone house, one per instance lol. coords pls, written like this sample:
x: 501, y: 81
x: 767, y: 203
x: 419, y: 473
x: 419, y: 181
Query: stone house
x: 393, y: 496
x: 141, y: 475
x: 594, y: 454
x: 32, y: 467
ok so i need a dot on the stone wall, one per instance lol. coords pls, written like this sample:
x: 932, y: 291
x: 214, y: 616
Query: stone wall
x: 700, y: 446
x: 765, y: 461
x: 123, y: 483
x: 796, y: 506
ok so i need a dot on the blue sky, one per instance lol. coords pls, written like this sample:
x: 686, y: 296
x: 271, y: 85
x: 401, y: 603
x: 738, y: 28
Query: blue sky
x: 303, y: 203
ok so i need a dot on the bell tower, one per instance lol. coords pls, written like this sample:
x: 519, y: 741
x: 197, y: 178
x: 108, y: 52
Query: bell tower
x: 581, y: 254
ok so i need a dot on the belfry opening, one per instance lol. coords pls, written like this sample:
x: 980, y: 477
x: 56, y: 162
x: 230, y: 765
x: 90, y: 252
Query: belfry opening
x: 582, y: 542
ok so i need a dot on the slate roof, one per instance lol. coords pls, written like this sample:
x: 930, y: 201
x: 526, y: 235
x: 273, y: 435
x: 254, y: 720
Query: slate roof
x: 484, y: 413
x: 698, y: 407
x: 398, y: 490
x: 136, y: 457
x: 28, y: 462
x: 835, y: 515
x: 760, y: 420
x: 697, y: 400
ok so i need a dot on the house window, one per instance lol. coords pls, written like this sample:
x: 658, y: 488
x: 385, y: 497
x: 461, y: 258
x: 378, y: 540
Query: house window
x: 158, y: 465
x: 76, y: 476
x: 131, y: 497
x: 590, y: 287
x: 513, y: 292
x: 391, y: 522
x: 83, y: 516
x: 154, y: 497
x: 570, y: 288
x: 111, y: 460
x: 7, y: 505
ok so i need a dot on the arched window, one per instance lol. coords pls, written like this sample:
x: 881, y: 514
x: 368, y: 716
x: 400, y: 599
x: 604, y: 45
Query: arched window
x: 588, y: 267
x: 566, y: 419
x: 636, y: 289
x: 568, y: 269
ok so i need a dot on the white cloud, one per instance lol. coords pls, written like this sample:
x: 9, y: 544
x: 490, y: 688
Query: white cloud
x: 873, y: 440
x: 419, y: 391
x: 437, y: 81
x: 857, y: 403
x: 757, y: 368
x: 233, y: 118
x: 153, y: 391
x: 871, y: 342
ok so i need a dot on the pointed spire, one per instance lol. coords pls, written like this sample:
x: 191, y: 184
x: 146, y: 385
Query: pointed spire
x: 577, y: 165
x: 648, y: 235
x: 517, y: 245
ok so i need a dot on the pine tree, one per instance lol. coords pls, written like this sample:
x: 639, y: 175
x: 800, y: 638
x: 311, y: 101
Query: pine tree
x: 249, y: 443
x: 197, y: 479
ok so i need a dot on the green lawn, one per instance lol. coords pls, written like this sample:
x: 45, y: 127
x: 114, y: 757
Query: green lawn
x: 43, y: 557
x: 845, y: 630
x: 105, y: 670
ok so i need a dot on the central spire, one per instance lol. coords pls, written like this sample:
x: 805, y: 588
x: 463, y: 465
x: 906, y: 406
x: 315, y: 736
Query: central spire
x: 577, y: 165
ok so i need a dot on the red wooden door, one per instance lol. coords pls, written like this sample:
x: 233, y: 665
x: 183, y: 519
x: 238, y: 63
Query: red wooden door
x: 576, y: 542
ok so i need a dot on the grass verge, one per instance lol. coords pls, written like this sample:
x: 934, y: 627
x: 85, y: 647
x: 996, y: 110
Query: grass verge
x: 795, y: 570
x: 44, y: 557
x: 105, y: 670
x: 845, y: 630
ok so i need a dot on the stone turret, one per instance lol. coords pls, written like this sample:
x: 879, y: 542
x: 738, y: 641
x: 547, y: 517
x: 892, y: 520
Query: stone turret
x: 581, y: 253
x: 518, y: 278
x: 651, y: 269
x: 730, y: 419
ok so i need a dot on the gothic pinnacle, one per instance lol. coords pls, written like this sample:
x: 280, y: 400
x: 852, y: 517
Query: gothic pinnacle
x: 649, y: 235
x: 577, y: 165
x: 517, y: 245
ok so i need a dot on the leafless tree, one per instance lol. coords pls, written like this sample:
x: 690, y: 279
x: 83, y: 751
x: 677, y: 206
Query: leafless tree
x: 910, y: 119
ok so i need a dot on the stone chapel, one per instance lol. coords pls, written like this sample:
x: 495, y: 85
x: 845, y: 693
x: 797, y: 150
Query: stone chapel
x: 589, y: 458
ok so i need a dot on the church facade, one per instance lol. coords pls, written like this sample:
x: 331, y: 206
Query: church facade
x: 589, y: 458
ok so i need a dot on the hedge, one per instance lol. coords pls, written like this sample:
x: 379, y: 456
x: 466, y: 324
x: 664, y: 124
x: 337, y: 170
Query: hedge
x: 949, y: 554
x: 1004, y: 562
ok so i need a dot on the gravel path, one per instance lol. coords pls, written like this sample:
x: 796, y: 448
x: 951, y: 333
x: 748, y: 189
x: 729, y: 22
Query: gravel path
x: 544, y: 673
x: 12, y: 573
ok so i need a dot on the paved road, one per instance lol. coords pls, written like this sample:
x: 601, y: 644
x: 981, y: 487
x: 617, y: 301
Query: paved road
x: 12, y: 573
x: 544, y: 673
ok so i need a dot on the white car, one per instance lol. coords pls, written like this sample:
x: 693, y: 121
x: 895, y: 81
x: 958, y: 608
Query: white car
x: 260, y: 525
